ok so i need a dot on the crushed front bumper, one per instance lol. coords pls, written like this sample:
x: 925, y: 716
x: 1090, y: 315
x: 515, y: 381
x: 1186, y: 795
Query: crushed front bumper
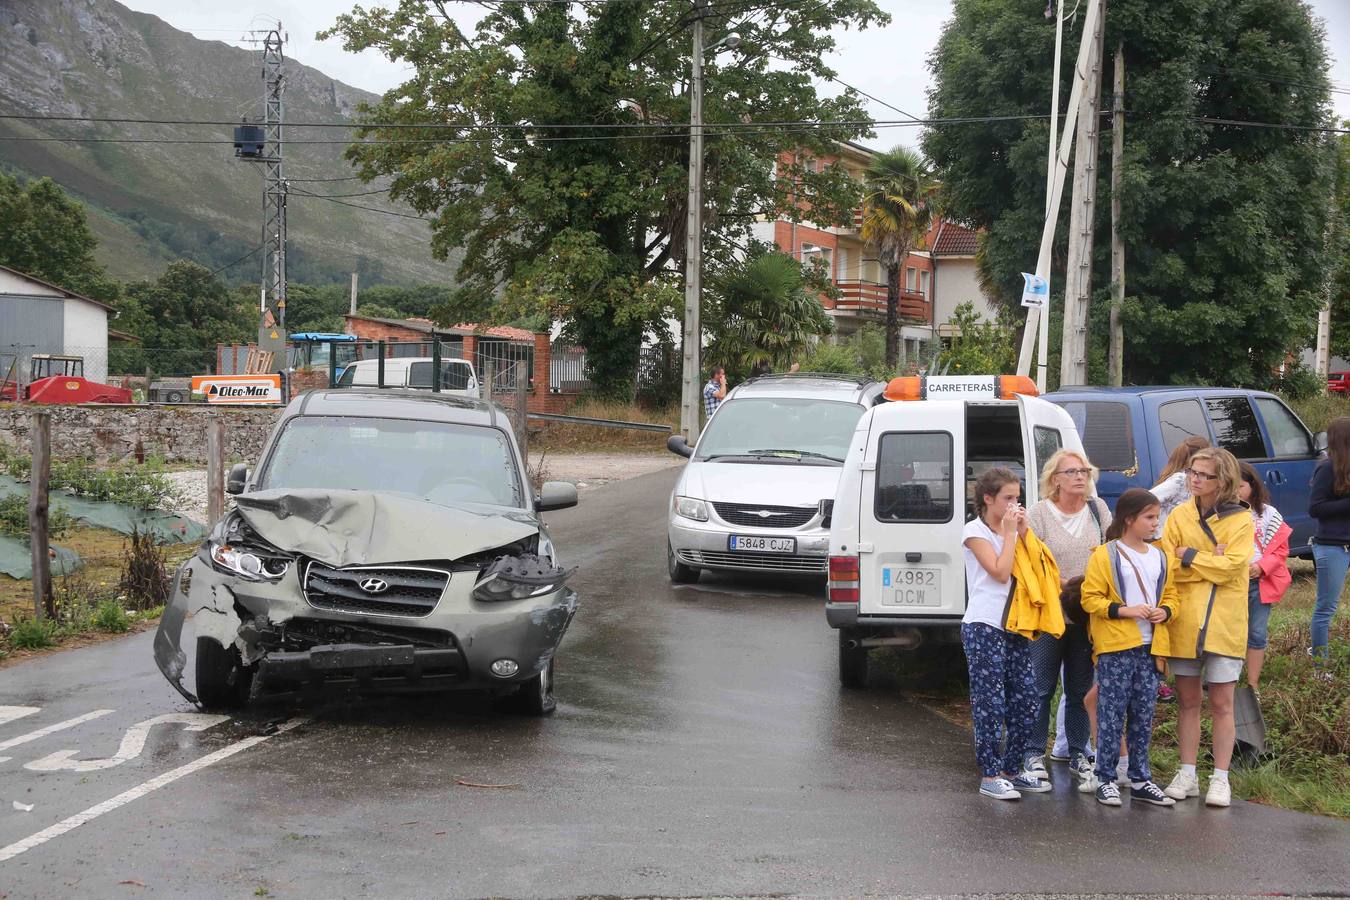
x: 290, y: 641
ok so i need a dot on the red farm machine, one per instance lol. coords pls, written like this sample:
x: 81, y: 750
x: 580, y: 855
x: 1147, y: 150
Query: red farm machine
x: 58, y: 379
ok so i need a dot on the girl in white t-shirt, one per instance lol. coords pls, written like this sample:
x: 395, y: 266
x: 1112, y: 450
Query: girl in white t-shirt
x: 1002, y: 686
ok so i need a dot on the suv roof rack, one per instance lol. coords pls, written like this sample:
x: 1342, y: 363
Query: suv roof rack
x: 859, y: 380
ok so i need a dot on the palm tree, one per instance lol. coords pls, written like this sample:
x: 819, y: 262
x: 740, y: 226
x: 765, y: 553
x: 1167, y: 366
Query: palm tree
x: 897, y: 209
x: 764, y: 308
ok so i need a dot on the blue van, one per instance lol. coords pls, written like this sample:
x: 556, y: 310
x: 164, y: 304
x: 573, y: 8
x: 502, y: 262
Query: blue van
x: 1129, y: 432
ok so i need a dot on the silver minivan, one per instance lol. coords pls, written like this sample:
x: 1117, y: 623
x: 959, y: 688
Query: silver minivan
x: 757, y: 491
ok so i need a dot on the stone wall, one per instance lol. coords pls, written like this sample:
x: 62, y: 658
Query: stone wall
x: 110, y: 433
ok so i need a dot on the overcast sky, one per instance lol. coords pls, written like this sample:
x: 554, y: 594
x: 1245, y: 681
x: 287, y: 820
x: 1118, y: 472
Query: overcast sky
x: 889, y: 63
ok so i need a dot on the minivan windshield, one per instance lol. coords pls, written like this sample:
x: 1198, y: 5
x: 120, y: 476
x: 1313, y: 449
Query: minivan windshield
x: 437, y: 461
x: 781, y: 428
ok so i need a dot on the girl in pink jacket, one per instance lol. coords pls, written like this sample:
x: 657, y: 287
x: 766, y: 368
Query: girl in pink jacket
x: 1269, y: 573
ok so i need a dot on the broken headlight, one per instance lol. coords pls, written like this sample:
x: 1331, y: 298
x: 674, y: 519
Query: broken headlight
x: 248, y: 565
x: 518, y: 578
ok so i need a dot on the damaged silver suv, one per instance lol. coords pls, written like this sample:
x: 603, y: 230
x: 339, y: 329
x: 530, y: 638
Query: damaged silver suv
x: 387, y: 540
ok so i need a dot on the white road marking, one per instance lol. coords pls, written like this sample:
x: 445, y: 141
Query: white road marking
x: 10, y: 713
x: 51, y: 729
x: 122, y: 799
x: 133, y: 743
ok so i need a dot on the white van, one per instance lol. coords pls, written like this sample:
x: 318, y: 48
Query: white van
x: 457, y: 375
x: 897, y: 575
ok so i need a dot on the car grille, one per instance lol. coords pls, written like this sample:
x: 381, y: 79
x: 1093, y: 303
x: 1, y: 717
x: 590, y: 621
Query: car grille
x: 411, y: 591
x: 748, y: 514
x: 723, y: 559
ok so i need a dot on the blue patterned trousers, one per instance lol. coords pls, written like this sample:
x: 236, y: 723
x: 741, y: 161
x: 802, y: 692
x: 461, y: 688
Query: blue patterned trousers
x: 1002, y: 696
x: 1127, y: 692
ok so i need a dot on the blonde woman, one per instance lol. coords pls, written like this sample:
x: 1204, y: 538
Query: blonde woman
x: 1211, y: 539
x: 1070, y: 520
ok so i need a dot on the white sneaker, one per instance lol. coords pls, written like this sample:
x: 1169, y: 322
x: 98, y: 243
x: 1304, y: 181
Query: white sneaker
x: 1088, y: 785
x: 1035, y: 764
x: 999, y: 789
x: 1183, y: 786
x: 1220, y: 793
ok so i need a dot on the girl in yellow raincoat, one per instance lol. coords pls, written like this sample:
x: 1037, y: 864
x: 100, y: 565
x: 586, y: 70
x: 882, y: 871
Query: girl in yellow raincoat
x: 1210, y: 541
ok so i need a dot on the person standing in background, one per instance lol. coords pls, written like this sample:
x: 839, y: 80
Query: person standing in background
x: 1329, y: 504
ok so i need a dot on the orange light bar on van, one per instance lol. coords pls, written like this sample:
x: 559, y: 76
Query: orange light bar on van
x: 910, y: 388
x: 1012, y: 385
x: 960, y: 387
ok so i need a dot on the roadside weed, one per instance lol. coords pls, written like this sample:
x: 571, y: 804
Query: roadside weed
x: 110, y: 617
x: 32, y: 634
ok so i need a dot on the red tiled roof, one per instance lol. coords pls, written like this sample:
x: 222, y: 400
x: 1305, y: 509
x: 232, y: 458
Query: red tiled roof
x: 418, y: 323
x: 955, y: 240
x: 499, y: 331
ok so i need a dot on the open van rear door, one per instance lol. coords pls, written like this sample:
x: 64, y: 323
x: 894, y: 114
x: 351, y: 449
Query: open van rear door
x: 912, y: 510
x: 1046, y: 428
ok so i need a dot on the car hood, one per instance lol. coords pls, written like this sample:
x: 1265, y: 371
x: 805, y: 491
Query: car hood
x: 348, y: 528
x: 775, y: 484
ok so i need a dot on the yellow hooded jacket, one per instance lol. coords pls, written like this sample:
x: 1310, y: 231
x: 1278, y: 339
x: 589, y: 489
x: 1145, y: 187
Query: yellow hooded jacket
x: 1211, y: 587
x: 1033, y: 603
x: 1103, y: 595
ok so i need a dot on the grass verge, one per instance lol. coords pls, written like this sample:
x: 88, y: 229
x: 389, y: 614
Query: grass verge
x: 566, y: 437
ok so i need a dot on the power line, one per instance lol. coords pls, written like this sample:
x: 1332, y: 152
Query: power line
x: 387, y: 212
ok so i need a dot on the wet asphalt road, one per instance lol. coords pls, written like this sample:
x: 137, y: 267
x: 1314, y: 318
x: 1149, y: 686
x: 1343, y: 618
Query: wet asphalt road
x: 701, y: 745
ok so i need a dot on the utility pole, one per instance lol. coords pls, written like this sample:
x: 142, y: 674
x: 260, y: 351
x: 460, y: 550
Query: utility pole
x: 1116, y: 353
x: 272, y: 292
x: 352, y: 308
x: 1082, y: 212
x: 690, y: 407
x: 1055, y: 190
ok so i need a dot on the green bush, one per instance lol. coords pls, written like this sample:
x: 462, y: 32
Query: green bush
x: 32, y: 634
x: 130, y: 485
x: 111, y: 617
x: 1318, y: 410
x: 14, y: 518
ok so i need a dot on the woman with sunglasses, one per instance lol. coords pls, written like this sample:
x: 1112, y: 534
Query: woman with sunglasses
x: 1071, y: 521
x: 1211, y: 540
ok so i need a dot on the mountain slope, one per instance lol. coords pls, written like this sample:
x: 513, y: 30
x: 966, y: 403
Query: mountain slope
x: 153, y: 202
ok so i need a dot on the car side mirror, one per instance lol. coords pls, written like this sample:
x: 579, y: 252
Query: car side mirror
x: 678, y: 445
x: 556, y: 495
x: 238, y: 477
x: 1320, y: 442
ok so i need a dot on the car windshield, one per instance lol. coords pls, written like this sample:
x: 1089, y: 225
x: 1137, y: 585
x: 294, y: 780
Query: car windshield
x: 436, y: 461
x: 781, y: 428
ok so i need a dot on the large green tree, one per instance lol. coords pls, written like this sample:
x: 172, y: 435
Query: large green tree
x: 897, y: 209
x: 559, y: 161
x: 45, y: 233
x: 1223, y: 224
x: 180, y: 317
x: 1339, y: 247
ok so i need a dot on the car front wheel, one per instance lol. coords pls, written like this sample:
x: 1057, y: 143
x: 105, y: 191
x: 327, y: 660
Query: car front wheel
x: 223, y: 681
x: 536, y: 695
x: 679, y: 572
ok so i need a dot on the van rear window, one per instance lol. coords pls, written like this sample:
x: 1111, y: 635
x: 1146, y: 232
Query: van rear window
x: 1107, y: 431
x: 914, y: 477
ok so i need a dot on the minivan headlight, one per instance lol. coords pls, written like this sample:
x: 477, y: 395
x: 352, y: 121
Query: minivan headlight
x: 691, y: 508
x: 248, y: 565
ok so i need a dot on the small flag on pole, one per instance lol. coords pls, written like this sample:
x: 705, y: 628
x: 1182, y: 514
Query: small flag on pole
x: 1036, y: 291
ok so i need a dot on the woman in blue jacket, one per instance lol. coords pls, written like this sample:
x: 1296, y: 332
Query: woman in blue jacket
x: 1329, y: 504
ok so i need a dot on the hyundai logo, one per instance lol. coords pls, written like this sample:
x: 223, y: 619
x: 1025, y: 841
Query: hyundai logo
x: 765, y: 513
x: 374, y: 585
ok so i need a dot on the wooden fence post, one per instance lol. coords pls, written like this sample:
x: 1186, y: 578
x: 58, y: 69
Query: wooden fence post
x: 522, y: 379
x: 40, y: 441
x: 487, y: 380
x: 215, y: 470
